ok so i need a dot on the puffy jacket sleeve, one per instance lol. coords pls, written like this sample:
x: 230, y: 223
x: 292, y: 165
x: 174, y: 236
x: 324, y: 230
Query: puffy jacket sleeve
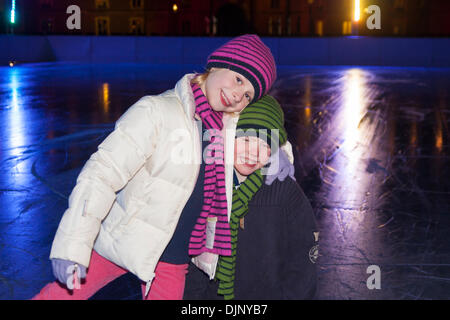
x: 287, y: 148
x: 107, y: 171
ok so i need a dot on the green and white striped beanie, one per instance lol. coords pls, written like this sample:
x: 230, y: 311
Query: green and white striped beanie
x: 260, y: 118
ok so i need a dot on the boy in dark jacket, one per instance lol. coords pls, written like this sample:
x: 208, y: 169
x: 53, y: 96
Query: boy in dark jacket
x: 274, y: 232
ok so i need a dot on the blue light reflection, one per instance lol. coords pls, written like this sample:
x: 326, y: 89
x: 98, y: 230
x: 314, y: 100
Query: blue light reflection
x: 16, y: 137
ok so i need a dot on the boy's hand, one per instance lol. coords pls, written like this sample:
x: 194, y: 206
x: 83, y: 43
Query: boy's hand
x: 280, y: 167
x: 63, y: 270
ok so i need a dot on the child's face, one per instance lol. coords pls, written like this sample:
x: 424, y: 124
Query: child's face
x: 250, y: 154
x: 227, y: 91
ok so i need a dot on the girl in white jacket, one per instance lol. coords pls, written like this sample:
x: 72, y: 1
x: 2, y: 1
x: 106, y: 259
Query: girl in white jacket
x: 148, y: 173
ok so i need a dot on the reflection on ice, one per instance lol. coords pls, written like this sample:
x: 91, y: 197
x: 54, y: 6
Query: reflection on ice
x: 367, y: 142
x: 348, y: 184
x: 16, y: 139
x: 105, y: 97
x: 371, y: 148
x: 353, y: 110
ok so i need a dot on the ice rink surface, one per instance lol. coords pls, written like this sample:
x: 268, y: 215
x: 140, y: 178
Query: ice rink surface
x: 371, y: 148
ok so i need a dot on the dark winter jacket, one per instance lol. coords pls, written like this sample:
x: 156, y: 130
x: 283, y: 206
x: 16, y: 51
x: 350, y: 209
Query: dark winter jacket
x: 276, y: 250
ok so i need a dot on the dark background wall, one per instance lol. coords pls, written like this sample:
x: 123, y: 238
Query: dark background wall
x: 278, y: 18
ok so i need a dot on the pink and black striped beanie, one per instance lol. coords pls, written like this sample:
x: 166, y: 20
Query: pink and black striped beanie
x: 250, y: 57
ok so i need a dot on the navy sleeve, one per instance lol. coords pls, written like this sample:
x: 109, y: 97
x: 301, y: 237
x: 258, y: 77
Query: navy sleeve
x: 300, y: 270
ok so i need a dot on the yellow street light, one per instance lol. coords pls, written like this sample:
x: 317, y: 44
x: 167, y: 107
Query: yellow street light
x: 357, y: 14
x: 175, y: 7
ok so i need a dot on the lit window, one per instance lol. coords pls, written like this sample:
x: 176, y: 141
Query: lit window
x: 319, y: 28
x: 137, y: 26
x: 275, y: 26
x: 215, y: 21
x: 137, y: 4
x: 102, y: 26
x: 396, y: 30
x: 347, y: 27
x: 102, y: 4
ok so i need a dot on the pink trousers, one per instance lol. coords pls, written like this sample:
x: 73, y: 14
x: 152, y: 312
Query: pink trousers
x: 168, y: 283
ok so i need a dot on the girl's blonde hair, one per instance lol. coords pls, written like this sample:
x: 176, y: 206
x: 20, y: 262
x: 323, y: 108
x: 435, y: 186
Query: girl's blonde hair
x: 201, y: 78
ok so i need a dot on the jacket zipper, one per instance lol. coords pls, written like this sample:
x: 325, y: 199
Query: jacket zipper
x: 148, y: 285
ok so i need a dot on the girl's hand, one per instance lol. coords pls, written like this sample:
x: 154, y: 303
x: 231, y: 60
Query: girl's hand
x: 66, y: 272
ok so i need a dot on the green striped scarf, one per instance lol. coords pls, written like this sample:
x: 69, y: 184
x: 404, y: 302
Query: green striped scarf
x: 226, y: 265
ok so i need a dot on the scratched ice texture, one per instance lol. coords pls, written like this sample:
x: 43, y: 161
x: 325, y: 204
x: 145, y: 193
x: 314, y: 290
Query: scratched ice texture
x: 371, y: 152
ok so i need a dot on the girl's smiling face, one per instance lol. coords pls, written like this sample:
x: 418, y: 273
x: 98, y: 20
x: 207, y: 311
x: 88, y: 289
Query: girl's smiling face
x: 250, y: 154
x: 227, y: 91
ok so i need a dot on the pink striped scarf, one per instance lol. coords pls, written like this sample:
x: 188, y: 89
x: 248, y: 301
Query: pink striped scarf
x: 214, y: 192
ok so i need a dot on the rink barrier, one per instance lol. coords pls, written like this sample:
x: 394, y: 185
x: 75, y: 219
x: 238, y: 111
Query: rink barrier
x: 420, y: 52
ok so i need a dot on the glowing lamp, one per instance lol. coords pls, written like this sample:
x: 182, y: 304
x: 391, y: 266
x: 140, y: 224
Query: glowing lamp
x: 13, y: 11
x: 357, y: 14
x: 175, y: 7
x: 11, y: 64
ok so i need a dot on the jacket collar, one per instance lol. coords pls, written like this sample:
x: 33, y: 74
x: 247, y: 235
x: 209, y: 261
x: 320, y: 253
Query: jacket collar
x: 184, y: 92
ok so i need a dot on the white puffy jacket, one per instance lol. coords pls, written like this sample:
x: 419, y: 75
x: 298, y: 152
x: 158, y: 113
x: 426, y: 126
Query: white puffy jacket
x: 130, y: 193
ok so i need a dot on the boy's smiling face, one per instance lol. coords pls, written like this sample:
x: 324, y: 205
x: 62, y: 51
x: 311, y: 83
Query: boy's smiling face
x: 227, y: 91
x: 250, y: 154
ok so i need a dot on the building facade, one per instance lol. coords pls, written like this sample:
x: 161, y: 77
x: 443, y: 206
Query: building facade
x: 277, y: 18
